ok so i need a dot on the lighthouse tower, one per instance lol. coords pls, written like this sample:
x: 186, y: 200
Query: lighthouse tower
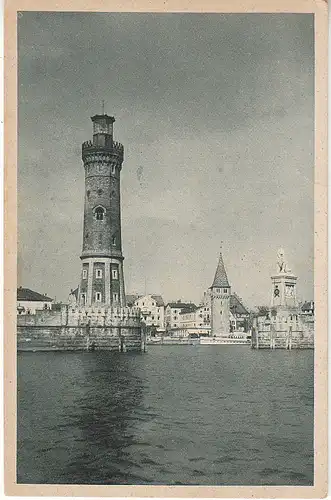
x: 102, y: 281
x: 220, y: 294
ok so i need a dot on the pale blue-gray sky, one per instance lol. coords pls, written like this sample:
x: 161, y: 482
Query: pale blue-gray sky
x: 216, y: 116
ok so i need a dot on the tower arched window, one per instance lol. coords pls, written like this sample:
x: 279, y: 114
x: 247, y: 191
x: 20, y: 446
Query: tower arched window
x: 99, y: 213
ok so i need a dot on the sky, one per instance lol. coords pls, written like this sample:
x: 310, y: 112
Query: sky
x: 216, y: 115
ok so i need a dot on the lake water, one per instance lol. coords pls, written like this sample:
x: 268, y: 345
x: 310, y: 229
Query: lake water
x: 191, y: 415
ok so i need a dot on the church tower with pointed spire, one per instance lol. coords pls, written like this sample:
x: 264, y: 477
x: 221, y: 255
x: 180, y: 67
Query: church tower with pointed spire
x: 220, y: 294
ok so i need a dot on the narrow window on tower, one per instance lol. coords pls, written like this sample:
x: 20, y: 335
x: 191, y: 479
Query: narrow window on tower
x: 98, y: 273
x: 83, y: 298
x: 84, y: 274
x: 98, y: 297
x: 225, y: 290
x: 115, y: 297
x: 115, y: 274
x: 113, y: 240
x: 99, y: 213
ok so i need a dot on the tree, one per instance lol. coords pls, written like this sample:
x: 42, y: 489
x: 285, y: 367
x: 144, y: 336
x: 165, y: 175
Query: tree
x: 263, y: 311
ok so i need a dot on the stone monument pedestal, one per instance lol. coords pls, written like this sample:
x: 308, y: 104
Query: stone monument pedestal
x: 284, y: 293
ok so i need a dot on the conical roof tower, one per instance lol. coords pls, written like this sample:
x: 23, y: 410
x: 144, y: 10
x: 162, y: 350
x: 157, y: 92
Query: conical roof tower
x: 220, y: 294
x: 221, y: 278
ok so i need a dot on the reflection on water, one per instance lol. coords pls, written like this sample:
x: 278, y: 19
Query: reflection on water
x: 103, y: 418
x: 175, y: 415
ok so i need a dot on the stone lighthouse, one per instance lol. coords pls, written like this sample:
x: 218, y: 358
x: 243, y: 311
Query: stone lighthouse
x: 102, y: 280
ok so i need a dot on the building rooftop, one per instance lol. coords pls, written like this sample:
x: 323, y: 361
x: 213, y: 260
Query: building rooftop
x: 191, y: 309
x: 130, y: 299
x: 236, y: 305
x: 182, y: 305
x: 75, y: 292
x: 308, y: 306
x: 220, y: 279
x: 158, y: 299
x: 30, y: 295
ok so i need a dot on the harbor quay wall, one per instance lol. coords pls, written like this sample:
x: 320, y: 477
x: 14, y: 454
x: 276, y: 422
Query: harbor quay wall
x: 274, y: 334
x: 72, y: 329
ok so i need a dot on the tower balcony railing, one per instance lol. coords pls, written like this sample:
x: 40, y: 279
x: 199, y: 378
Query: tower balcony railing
x: 114, y: 148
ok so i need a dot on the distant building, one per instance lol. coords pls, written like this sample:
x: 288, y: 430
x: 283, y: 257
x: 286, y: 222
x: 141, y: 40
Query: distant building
x: 193, y: 322
x: 239, y: 314
x: 28, y: 301
x: 308, y: 308
x: 172, y: 313
x: 205, y: 307
x: 188, y: 318
x: 152, y: 310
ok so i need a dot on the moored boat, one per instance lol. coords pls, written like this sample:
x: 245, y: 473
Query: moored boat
x: 235, y: 338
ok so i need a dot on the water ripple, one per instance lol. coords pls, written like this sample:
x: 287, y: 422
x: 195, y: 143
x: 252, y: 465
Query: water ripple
x: 175, y: 416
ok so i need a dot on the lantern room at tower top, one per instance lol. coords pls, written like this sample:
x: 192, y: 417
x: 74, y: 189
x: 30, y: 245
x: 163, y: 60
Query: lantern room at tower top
x: 103, y: 130
x: 103, y: 137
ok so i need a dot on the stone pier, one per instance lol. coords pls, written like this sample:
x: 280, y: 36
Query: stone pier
x: 81, y: 329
